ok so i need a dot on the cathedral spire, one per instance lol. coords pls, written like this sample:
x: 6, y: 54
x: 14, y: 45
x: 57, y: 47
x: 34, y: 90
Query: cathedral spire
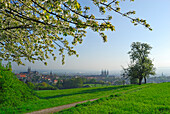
x: 29, y: 70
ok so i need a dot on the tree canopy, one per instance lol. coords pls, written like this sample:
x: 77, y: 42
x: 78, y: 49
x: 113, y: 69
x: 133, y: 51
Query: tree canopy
x: 37, y: 29
x: 141, y: 65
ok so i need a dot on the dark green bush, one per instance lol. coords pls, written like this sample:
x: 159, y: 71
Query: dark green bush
x: 30, y: 85
x: 44, y: 86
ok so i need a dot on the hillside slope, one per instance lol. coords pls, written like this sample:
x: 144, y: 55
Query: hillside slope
x: 54, y: 98
x: 153, y: 99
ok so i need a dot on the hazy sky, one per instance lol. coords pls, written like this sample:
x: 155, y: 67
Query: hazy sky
x: 94, y: 55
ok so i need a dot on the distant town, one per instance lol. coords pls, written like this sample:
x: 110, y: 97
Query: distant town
x: 36, y: 77
x: 103, y: 77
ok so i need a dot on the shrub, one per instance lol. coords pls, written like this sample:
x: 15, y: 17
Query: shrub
x: 87, y: 86
x: 44, y: 86
x: 30, y: 85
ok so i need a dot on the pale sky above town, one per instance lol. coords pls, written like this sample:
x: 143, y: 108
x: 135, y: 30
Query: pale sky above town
x: 94, y: 55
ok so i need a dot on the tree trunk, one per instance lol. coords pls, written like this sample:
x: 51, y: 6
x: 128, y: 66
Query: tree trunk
x: 145, y: 79
x: 140, y: 81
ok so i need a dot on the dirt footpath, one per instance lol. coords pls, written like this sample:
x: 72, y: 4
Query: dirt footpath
x: 59, y: 108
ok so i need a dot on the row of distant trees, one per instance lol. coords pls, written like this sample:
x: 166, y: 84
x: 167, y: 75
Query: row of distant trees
x: 76, y: 83
x: 65, y: 84
x: 41, y: 86
x: 70, y: 83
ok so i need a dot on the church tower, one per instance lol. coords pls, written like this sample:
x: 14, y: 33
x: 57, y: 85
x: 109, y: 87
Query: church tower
x: 51, y: 73
x: 104, y: 73
x: 107, y: 74
x: 101, y: 73
x: 29, y: 70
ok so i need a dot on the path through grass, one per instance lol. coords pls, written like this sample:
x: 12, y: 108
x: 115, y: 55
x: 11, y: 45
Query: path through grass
x: 151, y: 100
x: 53, y: 98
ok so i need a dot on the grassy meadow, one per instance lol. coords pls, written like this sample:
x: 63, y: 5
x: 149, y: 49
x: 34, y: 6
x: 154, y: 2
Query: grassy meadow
x: 153, y: 99
x: 53, y: 98
x: 96, y: 85
x: 129, y: 99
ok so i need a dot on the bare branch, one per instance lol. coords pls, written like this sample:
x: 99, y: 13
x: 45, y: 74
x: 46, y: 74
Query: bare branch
x: 111, y: 2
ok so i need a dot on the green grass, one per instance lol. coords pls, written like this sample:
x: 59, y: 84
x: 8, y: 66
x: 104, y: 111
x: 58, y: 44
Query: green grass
x: 96, y: 85
x: 53, y: 98
x: 154, y: 99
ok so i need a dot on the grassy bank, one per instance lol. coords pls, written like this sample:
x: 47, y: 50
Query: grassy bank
x: 53, y: 98
x: 154, y: 99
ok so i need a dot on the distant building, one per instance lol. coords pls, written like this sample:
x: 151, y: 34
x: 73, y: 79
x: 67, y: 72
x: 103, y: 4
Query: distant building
x: 104, y: 73
x: 21, y: 77
x: 28, y: 76
x: 55, y: 81
x: 51, y: 73
x: 29, y: 72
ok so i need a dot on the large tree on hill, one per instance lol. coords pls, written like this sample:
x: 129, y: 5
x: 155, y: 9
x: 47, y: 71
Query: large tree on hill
x: 141, y: 65
x: 35, y: 29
